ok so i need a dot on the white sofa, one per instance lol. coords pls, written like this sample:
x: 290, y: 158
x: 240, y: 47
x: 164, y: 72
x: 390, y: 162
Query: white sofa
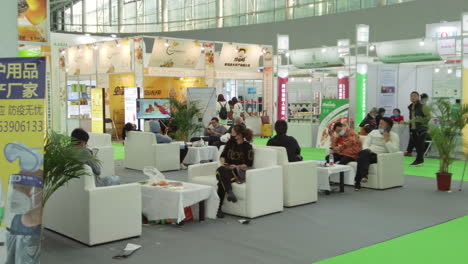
x: 386, y: 173
x: 103, y: 142
x: 94, y: 215
x: 141, y: 149
x: 261, y: 194
x: 299, y: 179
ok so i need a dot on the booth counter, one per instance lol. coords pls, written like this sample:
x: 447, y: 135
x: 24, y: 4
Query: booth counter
x: 304, y: 133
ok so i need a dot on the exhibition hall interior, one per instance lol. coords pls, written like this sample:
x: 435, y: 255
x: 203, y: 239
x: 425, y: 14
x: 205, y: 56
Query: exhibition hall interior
x: 233, y: 131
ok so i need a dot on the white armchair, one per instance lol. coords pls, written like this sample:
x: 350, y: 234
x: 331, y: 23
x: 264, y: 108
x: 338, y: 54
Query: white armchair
x: 103, y: 142
x: 94, y: 215
x: 261, y: 194
x: 299, y: 179
x: 141, y: 149
x: 386, y: 173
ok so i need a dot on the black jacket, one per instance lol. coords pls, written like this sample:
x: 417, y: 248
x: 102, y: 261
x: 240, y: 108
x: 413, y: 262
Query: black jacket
x: 419, y: 112
x: 290, y: 144
x: 369, y: 123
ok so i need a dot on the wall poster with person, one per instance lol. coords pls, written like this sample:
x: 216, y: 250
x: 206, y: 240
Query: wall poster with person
x: 332, y: 111
x: 388, y: 88
x: 22, y: 133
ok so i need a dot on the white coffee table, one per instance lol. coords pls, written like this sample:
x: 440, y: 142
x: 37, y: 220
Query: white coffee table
x: 161, y: 203
x: 324, y: 174
x: 196, y: 155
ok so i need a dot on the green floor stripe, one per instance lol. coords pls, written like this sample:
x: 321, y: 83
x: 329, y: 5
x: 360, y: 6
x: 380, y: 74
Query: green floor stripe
x: 444, y: 243
x: 428, y: 170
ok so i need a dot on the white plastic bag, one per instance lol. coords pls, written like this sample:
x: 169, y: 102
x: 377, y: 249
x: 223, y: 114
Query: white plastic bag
x: 153, y: 174
x: 225, y: 138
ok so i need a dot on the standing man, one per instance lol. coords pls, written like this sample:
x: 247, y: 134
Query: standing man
x: 419, y: 118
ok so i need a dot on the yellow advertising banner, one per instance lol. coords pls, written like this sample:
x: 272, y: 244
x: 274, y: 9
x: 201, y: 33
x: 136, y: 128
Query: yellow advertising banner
x: 33, y: 25
x: 170, y: 87
x: 97, y: 110
x: 117, y: 85
x: 22, y: 133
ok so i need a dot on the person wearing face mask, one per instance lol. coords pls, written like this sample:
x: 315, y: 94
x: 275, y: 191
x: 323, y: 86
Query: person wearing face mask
x: 345, y: 144
x: 397, y: 117
x: 378, y: 141
x: 235, y: 159
x: 369, y: 123
x: 420, y: 116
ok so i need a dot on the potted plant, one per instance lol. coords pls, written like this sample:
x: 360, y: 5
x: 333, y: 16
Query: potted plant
x: 185, y: 117
x: 63, y: 161
x: 445, y: 132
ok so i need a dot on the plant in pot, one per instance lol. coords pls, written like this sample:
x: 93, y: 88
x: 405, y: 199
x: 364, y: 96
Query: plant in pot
x: 185, y: 116
x: 63, y: 161
x: 445, y: 132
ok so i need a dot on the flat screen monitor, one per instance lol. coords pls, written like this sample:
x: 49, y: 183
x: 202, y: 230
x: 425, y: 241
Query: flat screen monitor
x: 153, y: 108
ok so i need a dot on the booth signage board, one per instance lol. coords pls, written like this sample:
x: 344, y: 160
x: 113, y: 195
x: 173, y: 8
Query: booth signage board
x: 316, y: 58
x: 81, y: 60
x: 282, y: 102
x: 169, y: 53
x: 361, y: 92
x: 283, y: 42
x: 445, y: 33
x: 402, y: 51
x: 362, y: 34
x: 22, y: 134
x: 33, y: 21
x: 465, y: 22
x: 239, y: 57
x: 97, y: 110
x: 169, y: 87
x: 343, y: 87
x: 117, y: 84
x: 332, y: 111
x: 174, y: 72
x: 131, y: 95
x: 344, y: 47
x: 388, y: 88
x: 115, y: 56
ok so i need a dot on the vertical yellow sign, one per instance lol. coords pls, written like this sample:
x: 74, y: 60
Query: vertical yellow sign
x: 117, y: 85
x: 97, y: 110
x: 22, y: 133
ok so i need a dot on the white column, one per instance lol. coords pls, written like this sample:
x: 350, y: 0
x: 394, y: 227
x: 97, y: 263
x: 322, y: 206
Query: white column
x: 9, y: 29
x: 219, y: 13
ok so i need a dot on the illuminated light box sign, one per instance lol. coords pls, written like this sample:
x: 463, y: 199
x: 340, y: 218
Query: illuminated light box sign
x: 412, y: 50
x: 316, y: 58
x: 282, y: 98
x: 97, y: 110
x: 361, y: 92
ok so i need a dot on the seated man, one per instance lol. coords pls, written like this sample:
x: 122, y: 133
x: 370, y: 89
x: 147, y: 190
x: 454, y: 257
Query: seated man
x: 214, y: 131
x: 155, y: 127
x: 345, y: 144
x: 378, y: 141
x: 80, y: 139
x: 283, y: 140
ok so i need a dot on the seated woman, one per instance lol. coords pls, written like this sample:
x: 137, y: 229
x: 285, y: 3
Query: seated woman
x: 283, y: 140
x: 155, y: 127
x: 127, y: 128
x: 235, y: 159
x: 345, y: 144
x: 397, y: 117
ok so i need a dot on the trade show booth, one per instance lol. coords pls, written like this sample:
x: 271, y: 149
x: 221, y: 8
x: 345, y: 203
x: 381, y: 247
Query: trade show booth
x: 162, y: 68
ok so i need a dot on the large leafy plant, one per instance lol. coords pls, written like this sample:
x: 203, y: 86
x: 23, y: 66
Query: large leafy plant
x: 445, y: 131
x: 63, y: 161
x: 185, y: 116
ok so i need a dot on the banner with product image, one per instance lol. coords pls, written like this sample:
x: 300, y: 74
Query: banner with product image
x: 33, y: 22
x: 388, y: 88
x: 332, y: 111
x: 22, y: 133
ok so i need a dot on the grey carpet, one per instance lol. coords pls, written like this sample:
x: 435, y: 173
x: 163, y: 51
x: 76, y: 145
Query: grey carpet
x: 337, y: 224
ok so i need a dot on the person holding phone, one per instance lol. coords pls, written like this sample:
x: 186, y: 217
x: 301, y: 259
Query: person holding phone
x: 378, y: 141
x: 235, y: 159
